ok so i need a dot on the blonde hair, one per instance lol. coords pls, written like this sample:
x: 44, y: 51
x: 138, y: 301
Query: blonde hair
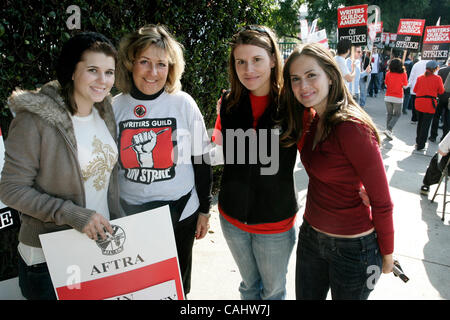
x: 340, y: 104
x: 262, y: 37
x: 133, y: 44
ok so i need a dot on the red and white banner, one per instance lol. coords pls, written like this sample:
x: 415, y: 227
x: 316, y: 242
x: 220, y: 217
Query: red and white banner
x: 352, y: 24
x: 318, y: 37
x: 412, y: 27
x: 437, y: 34
x: 436, y: 42
x: 138, y: 261
x: 409, y: 34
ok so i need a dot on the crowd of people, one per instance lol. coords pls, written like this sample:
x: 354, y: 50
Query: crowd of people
x: 313, y: 105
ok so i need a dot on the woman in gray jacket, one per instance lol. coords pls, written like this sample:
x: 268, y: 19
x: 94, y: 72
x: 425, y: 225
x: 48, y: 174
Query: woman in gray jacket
x: 60, y: 157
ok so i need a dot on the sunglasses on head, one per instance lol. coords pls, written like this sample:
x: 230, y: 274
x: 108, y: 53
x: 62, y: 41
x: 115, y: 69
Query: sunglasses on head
x: 253, y: 28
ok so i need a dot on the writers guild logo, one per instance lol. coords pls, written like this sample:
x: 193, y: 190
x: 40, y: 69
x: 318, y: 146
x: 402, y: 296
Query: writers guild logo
x: 140, y: 111
x: 113, y: 244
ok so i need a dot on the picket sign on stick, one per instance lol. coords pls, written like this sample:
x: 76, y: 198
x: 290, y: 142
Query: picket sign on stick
x: 375, y: 16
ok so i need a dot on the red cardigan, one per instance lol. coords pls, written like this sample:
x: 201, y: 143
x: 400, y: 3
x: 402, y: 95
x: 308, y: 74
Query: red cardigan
x: 427, y: 86
x: 394, y: 84
x: 348, y: 159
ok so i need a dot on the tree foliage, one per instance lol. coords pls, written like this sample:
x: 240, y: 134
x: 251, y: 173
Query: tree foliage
x: 31, y: 34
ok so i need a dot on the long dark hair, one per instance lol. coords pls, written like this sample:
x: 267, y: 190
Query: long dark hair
x: 72, y: 53
x: 262, y: 37
x: 340, y: 104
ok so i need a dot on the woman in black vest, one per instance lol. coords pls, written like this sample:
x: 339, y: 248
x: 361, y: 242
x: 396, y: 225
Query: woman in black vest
x: 257, y: 199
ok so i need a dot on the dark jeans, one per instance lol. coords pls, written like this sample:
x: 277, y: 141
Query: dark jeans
x: 35, y: 282
x: 374, y: 84
x: 184, y: 232
x: 412, y: 102
x: 423, y: 127
x: 441, y: 110
x: 350, y: 267
x: 406, y: 98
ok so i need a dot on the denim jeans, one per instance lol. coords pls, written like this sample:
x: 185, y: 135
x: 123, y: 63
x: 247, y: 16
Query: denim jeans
x: 35, y: 282
x: 374, y: 85
x: 393, y: 111
x: 349, y: 266
x: 262, y: 260
x: 363, y: 91
x: 406, y: 98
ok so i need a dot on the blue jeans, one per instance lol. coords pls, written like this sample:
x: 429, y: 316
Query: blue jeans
x: 406, y: 98
x: 262, y: 260
x: 35, y: 282
x: 349, y: 266
x: 363, y: 91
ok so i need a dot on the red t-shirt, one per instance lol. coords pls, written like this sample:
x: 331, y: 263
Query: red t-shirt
x: 337, y: 168
x: 427, y: 86
x: 394, y: 84
x: 259, y: 105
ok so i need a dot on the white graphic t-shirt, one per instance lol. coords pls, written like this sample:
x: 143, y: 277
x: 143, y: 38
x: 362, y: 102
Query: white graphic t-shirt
x: 156, y: 140
x: 97, y: 155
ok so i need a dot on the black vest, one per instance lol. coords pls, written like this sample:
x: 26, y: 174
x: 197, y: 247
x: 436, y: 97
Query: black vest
x: 247, y: 192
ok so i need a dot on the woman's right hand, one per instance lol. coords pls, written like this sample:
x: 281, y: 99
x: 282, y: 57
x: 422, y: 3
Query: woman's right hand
x: 97, y: 225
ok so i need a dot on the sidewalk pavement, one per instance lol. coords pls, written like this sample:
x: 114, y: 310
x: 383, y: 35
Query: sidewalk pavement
x: 422, y: 240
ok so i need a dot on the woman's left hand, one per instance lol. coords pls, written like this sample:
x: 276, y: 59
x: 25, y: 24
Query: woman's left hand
x: 202, y: 227
x: 388, y: 263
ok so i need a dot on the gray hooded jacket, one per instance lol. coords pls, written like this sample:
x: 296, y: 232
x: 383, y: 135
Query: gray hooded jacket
x: 41, y: 177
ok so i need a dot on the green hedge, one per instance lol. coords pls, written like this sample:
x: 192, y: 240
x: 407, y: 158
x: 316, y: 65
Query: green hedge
x: 31, y: 34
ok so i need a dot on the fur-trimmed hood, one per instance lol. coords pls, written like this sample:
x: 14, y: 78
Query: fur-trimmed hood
x: 49, y: 105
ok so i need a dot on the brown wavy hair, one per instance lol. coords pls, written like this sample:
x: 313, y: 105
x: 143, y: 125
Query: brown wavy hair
x: 340, y: 104
x: 262, y: 37
x: 131, y: 46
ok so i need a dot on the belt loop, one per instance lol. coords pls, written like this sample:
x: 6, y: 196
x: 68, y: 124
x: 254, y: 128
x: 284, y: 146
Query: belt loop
x: 362, y: 240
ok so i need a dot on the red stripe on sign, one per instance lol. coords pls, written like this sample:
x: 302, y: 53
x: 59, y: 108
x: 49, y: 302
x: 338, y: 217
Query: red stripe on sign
x: 126, y: 282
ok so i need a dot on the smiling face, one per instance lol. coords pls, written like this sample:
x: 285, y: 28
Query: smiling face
x: 93, y: 78
x: 150, y: 70
x: 253, y: 67
x: 309, y: 82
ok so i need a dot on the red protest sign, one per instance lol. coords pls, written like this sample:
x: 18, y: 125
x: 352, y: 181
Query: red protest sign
x: 436, y: 42
x: 437, y: 34
x: 352, y: 16
x: 352, y: 23
x: 412, y: 27
x: 409, y: 34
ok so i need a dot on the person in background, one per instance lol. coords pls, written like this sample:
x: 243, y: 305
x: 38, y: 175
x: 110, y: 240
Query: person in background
x: 427, y: 88
x: 396, y: 81
x: 441, y: 109
x: 417, y: 70
x: 440, y: 159
x: 340, y: 236
x: 354, y: 86
x: 61, y: 132
x: 408, y: 64
x: 364, y: 80
x: 374, y: 84
x: 162, y: 139
x: 343, y: 50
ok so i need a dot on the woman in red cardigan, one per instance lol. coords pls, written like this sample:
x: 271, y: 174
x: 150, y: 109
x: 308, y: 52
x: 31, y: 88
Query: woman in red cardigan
x: 396, y: 79
x: 343, y: 244
x: 427, y: 88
